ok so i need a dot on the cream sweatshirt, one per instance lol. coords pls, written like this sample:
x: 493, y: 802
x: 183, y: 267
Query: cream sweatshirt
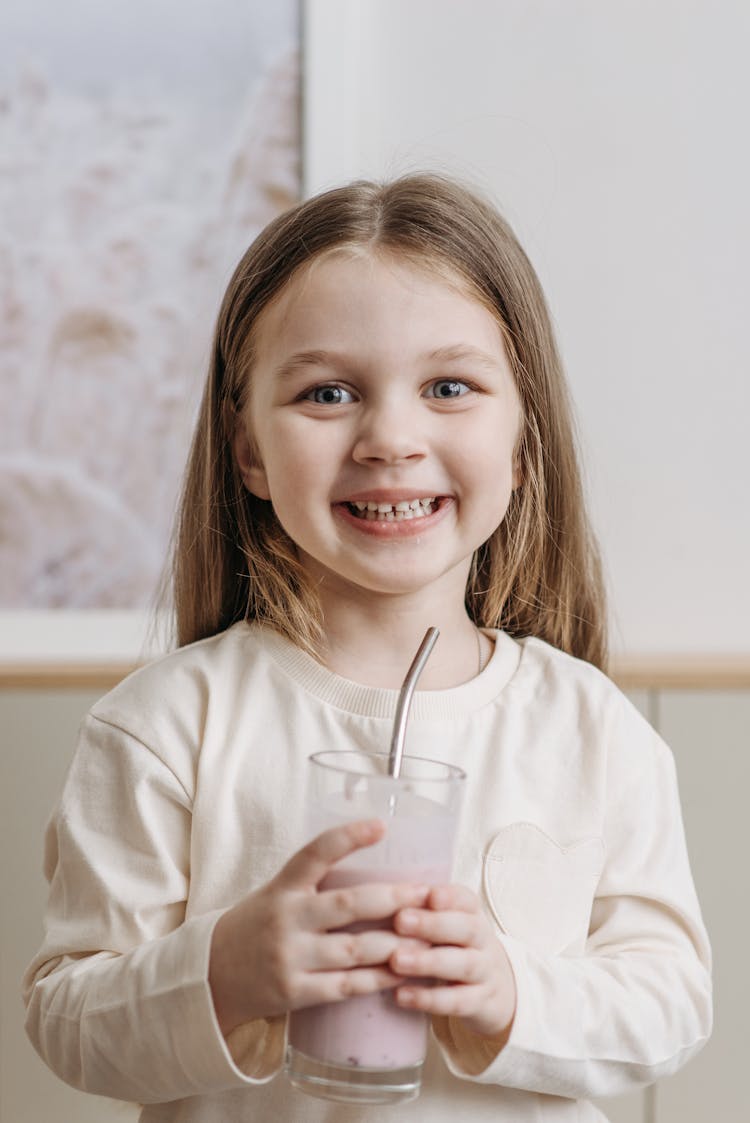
x: 187, y: 791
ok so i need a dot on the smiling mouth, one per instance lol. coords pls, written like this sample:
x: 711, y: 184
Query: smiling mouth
x: 394, y: 512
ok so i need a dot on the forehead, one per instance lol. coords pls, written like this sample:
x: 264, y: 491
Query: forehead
x: 355, y: 285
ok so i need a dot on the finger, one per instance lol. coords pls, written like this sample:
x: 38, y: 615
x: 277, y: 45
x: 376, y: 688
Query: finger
x: 461, y: 928
x: 482, y: 1011
x: 309, y: 865
x: 452, y: 1001
x: 456, y: 898
x: 363, y: 949
x: 449, y: 964
x: 371, y: 901
x: 335, y: 986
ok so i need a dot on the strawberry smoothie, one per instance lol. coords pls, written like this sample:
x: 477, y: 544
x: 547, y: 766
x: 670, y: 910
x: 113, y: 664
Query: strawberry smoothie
x: 366, y: 1049
x: 369, y: 1030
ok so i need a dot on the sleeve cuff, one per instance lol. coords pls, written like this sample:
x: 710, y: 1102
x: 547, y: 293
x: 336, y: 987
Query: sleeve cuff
x: 251, y: 1054
x: 516, y: 1061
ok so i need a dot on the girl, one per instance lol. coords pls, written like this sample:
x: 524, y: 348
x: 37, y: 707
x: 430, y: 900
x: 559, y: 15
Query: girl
x: 384, y: 445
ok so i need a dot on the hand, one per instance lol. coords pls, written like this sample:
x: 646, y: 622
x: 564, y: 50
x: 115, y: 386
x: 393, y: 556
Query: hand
x: 463, y: 953
x: 277, y: 949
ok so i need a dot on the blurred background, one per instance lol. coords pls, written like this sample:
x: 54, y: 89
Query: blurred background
x: 143, y: 145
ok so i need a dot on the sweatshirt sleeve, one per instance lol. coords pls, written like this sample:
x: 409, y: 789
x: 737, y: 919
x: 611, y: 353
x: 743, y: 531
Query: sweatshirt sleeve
x: 118, y: 1001
x: 636, y: 1003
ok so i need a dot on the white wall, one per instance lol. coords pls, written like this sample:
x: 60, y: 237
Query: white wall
x: 612, y: 136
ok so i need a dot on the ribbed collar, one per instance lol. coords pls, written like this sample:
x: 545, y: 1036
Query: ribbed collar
x: 378, y: 702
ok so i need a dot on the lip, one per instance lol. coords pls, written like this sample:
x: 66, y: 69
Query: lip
x: 388, y: 531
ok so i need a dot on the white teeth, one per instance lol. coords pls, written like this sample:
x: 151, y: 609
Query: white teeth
x: 394, y: 512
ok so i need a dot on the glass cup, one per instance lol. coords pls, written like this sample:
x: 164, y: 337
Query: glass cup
x: 366, y: 1049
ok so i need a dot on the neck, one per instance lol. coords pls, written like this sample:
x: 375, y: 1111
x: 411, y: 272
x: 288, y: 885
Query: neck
x: 375, y: 644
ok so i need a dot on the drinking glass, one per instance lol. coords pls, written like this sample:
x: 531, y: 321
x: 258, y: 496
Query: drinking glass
x: 366, y: 1049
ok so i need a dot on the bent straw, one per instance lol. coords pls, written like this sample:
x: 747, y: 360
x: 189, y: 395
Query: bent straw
x: 404, y: 701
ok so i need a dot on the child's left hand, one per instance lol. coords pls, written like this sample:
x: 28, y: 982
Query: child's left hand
x: 473, y: 976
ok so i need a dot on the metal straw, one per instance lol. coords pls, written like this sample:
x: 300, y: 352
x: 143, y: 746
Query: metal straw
x: 404, y: 700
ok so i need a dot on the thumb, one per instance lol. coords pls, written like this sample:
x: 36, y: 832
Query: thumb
x: 309, y: 866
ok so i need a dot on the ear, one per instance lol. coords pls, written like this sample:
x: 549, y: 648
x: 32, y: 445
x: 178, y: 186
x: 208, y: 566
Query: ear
x: 248, y: 460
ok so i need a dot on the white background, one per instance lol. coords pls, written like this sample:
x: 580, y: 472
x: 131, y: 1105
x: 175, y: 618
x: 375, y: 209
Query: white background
x: 613, y: 135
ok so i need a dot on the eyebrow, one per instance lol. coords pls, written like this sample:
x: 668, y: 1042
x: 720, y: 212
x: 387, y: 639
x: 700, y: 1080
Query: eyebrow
x: 303, y: 359
x: 461, y: 352
x: 458, y: 352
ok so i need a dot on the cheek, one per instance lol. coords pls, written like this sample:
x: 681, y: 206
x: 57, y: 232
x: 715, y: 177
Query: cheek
x: 293, y: 476
x: 493, y: 481
x: 488, y: 457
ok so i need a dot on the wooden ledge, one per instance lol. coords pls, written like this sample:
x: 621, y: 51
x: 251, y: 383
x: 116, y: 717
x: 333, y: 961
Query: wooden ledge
x: 681, y: 672
x: 630, y: 672
x: 63, y: 675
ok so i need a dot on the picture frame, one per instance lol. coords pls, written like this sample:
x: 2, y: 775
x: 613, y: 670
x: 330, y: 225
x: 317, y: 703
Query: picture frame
x: 146, y: 149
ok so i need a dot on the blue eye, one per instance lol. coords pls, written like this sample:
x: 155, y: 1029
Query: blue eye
x: 447, y: 388
x: 329, y: 395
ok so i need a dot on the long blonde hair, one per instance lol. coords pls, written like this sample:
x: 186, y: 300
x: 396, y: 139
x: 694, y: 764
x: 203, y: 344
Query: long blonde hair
x: 539, y: 574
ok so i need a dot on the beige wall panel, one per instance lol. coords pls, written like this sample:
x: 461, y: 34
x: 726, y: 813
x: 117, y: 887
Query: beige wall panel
x: 710, y: 736
x: 38, y: 738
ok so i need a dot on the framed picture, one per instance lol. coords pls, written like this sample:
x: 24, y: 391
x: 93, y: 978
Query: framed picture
x: 143, y: 147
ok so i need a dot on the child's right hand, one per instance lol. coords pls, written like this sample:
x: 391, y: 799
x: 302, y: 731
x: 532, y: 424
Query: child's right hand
x: 277, y: 949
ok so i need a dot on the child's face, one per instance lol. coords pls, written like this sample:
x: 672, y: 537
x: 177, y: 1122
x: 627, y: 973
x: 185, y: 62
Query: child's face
x: 377, y: 382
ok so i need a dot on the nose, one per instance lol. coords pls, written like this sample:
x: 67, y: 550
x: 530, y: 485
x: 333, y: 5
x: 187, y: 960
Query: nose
x: 389, y: 435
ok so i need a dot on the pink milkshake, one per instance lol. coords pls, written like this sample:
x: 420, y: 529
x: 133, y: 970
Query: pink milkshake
x: 366, y: 1049
x: 369, y: 1030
